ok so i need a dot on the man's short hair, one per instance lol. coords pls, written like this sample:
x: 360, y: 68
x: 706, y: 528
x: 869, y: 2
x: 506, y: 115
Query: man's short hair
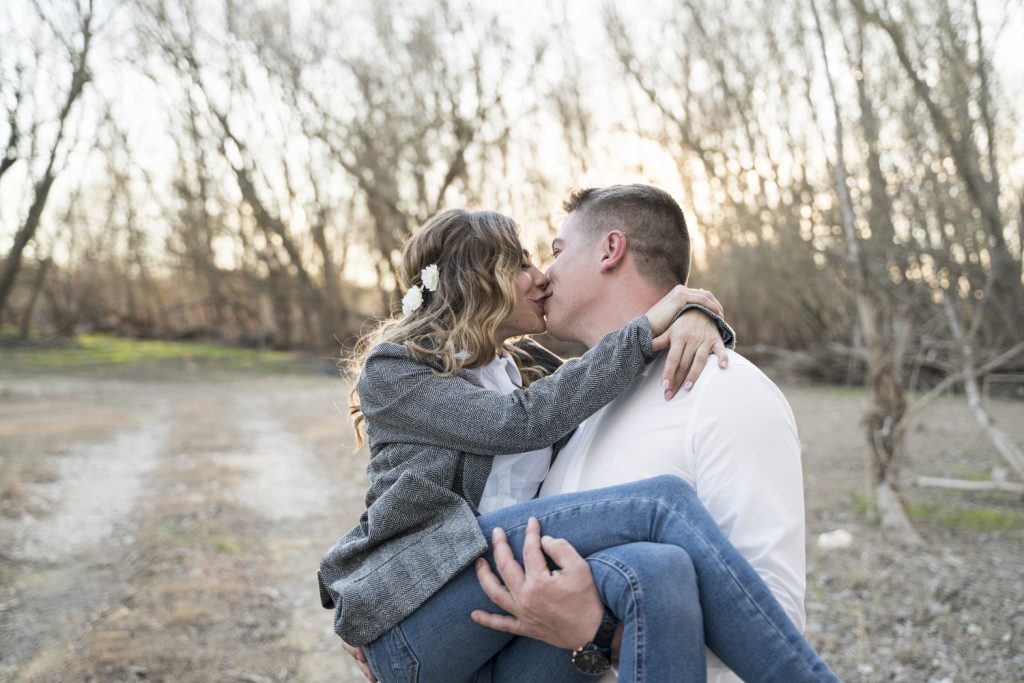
x: 652, y: 221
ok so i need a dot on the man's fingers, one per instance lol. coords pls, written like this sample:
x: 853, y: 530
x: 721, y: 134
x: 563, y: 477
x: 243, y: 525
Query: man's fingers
x: 497, y: 622
x: 509, y: 569
x: 533, y: 557
x: 561, y: 551
x: 493, y: 588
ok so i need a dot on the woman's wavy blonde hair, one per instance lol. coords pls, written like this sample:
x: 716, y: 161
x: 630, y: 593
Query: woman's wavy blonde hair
x: 478, y: 255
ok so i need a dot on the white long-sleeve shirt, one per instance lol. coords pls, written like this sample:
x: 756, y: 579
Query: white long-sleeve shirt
x: 734, y: 439
x: 514, y: 478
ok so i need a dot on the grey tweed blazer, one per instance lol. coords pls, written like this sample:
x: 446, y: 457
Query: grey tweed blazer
x: 432, y: 439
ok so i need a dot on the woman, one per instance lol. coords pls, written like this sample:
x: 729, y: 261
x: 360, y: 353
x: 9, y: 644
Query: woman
x: 399, y: 581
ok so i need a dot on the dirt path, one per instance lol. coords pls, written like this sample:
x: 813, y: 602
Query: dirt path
x: 173, y: 532
x: 168, y: 529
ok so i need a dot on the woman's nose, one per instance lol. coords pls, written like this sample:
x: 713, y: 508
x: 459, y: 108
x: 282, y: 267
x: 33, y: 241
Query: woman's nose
x: 540, y: 278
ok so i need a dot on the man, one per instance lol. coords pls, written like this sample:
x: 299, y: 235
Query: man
x: 731, y: 435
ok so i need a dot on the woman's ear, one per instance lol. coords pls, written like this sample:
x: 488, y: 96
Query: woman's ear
x: 613, y: 250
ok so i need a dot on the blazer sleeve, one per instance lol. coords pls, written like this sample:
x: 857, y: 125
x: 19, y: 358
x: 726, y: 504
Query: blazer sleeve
x: 410, y: 401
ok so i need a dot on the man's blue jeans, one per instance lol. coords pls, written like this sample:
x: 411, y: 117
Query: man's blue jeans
x: 660, y: 563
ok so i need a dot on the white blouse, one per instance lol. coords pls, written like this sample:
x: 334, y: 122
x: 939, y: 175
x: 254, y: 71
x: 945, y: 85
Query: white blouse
x: 514, y: 478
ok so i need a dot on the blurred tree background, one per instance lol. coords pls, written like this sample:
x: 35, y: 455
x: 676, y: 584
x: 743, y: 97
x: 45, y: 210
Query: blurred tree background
x: 852, y: 170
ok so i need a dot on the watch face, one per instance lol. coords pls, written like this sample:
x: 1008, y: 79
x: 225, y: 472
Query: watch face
x: 591, y: 661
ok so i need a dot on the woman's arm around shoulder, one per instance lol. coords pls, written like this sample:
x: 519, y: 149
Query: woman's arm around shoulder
x: 409, y: 398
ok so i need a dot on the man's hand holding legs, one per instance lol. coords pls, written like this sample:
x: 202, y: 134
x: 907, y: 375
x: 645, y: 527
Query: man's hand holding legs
x: 561, y: 607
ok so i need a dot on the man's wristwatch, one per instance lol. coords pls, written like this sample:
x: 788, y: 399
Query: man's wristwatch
x: 595, y: 657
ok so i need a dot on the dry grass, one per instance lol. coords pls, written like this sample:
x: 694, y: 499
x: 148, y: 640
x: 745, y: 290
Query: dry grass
x: 12, y: 494
x: 18, y: 488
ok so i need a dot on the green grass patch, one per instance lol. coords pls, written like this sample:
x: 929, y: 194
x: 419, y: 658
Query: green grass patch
x: 951, y: 516
x: 967, y: 518
x: 863, y: 506
x: 108, y: 351
x: 227, y: 546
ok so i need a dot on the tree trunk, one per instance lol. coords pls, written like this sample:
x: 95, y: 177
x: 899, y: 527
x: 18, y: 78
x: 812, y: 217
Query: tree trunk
x: 12, y: 262
x: 886, y: 436
x: 892, y: 515
x: 37, y: 286
x: 331, y: 294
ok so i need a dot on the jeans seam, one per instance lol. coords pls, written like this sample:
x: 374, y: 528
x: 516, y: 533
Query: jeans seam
x: 397, y: 656
x: 725, y: 563
x: 407, y: 654
x: 634, y: 587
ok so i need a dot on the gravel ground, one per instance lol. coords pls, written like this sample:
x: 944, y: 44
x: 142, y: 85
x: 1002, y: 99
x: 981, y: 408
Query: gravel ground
x: 950, y: 611
x: 166, y: 528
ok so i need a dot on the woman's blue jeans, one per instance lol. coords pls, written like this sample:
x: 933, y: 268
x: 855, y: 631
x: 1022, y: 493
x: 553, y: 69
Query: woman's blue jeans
x: 660, y: 563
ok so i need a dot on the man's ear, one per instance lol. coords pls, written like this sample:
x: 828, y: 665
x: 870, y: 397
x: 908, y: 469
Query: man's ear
x: 613, y: 250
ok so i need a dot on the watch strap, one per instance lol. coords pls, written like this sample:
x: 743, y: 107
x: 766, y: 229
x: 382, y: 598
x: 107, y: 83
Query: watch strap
x: 606, y: 631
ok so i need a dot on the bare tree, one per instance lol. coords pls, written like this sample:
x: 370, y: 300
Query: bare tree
x: 78, y: 46
x: 749, y: 188
x: 10, y: 156
x: 422, y: 112
x: 888, y: 214
x: 885, y: 332
x: 959, y: 132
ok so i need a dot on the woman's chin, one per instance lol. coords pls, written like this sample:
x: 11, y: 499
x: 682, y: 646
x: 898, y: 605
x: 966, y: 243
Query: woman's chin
x: 539, y: 326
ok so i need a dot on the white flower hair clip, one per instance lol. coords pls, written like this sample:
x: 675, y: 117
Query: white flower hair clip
x: 430, y: 277
x: 413, y: 299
